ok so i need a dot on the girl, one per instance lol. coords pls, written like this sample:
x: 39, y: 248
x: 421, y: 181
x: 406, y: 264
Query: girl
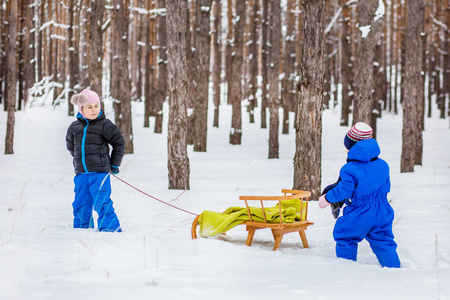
x: 88, y: 139
x: 364, y: 184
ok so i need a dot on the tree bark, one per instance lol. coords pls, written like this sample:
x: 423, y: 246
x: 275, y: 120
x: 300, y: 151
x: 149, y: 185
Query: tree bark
x: 347, y: 65
x: 274, y: 84
x: 191, y: 80
x: 217, y: 62
x: 161, y: 89
x: 11, y: 77
x: 308, y: 153
x: 229, y: 50
x: 96, y: 47
x: 288, y: 88
x: 147, y: 65
x: 202, y: 55
x: 237, y: 71
x: 135, y: 54
x: 84, y: 27
x: 363, y: 104
x: 178, y: 161
x: 74, y: 69
x: 253, y: 60
x: 120, y: 81
x: 413, y: 86
x: 264, y: 60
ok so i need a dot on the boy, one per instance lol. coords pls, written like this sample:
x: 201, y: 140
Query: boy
x: 364, y: 184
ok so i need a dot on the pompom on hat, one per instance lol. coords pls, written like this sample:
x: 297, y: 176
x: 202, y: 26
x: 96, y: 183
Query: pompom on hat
x: 360, y: 131
x: 83, y: 98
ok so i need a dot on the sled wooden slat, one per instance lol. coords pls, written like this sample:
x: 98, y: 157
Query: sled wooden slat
x: 278, y: 229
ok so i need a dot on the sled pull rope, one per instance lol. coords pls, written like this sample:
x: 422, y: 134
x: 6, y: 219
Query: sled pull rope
x: 133, y: 187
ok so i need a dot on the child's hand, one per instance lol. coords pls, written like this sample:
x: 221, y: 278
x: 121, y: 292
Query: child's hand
x: 323, y: 202
x: 114, y: 170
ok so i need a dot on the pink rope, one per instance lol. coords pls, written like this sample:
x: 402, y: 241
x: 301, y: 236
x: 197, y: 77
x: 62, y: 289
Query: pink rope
x: 154, y: 197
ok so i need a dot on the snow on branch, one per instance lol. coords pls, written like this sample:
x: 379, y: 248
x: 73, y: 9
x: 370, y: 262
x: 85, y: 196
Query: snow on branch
x: 337, y: 14
x: 438, y: 23
x: 333, y: 21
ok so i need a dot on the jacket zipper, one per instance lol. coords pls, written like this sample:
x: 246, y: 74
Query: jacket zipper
x: 83, y: 150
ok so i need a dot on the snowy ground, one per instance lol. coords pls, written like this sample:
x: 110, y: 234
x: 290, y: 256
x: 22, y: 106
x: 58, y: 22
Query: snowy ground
x: 43, y: 257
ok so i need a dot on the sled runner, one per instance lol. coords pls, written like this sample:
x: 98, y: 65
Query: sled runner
x: 289, y: 215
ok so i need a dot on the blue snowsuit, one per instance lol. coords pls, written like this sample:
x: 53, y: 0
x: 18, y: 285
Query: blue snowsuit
x: 368, y: 215
x: 88, y: 142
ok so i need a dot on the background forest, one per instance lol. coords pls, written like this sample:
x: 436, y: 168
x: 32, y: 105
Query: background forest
x: 285, y: 56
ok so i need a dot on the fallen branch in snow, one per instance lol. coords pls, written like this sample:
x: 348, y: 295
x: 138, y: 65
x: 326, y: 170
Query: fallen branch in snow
x: 397, y: 220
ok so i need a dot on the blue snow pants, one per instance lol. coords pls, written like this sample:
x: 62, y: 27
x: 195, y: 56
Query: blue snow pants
x: 93, y: 191
x: 372, y: 222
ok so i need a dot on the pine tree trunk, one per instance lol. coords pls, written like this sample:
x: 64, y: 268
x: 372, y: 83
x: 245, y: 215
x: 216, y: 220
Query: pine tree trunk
x: 328, y: 59
x: 217, y: 62
x: 140, y: 56
x: 29, y: 71
x: 161, y: 90
x: 12, y: 15
x: 264, y: 61
x: 428, y: 53
x: 56, y: 64
x: 192, y: 91
x: 363, y: 103
x: 237, y: 71
x: 274, y: 71
x: 147, y: 66
x: 447, y: 57
x: 96, y: 47
x: 378, y: 89
x: 84, y: 45
x: 413, y: 85
x: 40, y: 43
x: 308, y: 150
x: 178, y: 161
x: 74, y: 71
x: 288, y: 90
x: 347, y: 65
x: 21, y: 54
x: 203, y: 51
x: 120, y: 81
x: 401, y: 52
x: 134, y: 51
x: 421, y: 99
x: 438, y: 49
x: 253, y: 60
x: 2, y: 56
x: 229, y: 50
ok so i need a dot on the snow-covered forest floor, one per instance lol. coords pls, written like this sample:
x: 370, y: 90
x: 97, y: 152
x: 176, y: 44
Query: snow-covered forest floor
x: 43, y: 257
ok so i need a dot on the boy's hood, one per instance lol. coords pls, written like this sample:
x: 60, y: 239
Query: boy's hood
x: 364, y: 150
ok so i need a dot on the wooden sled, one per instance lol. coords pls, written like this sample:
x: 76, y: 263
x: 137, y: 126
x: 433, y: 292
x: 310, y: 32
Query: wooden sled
x: 278, y: 229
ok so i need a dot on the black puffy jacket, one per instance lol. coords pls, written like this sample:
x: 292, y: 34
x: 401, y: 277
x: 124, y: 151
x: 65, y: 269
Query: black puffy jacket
x: 88, y: 141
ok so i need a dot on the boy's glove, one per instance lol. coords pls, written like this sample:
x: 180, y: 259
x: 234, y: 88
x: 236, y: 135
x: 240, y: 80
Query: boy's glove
x: 336, y: 207
x: 114, y: 170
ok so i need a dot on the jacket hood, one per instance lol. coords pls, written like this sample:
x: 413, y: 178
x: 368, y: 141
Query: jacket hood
x: 364, y: 150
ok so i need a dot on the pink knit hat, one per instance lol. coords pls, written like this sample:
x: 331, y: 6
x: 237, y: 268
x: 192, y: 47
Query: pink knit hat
x: 360, y: 131
x: 83, y: 98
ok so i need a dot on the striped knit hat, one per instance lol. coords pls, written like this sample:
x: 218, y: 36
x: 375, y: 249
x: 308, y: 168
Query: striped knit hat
x: 360, y: 131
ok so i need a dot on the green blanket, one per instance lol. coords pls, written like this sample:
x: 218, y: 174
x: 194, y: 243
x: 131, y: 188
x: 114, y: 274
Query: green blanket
x: 213, y: 223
